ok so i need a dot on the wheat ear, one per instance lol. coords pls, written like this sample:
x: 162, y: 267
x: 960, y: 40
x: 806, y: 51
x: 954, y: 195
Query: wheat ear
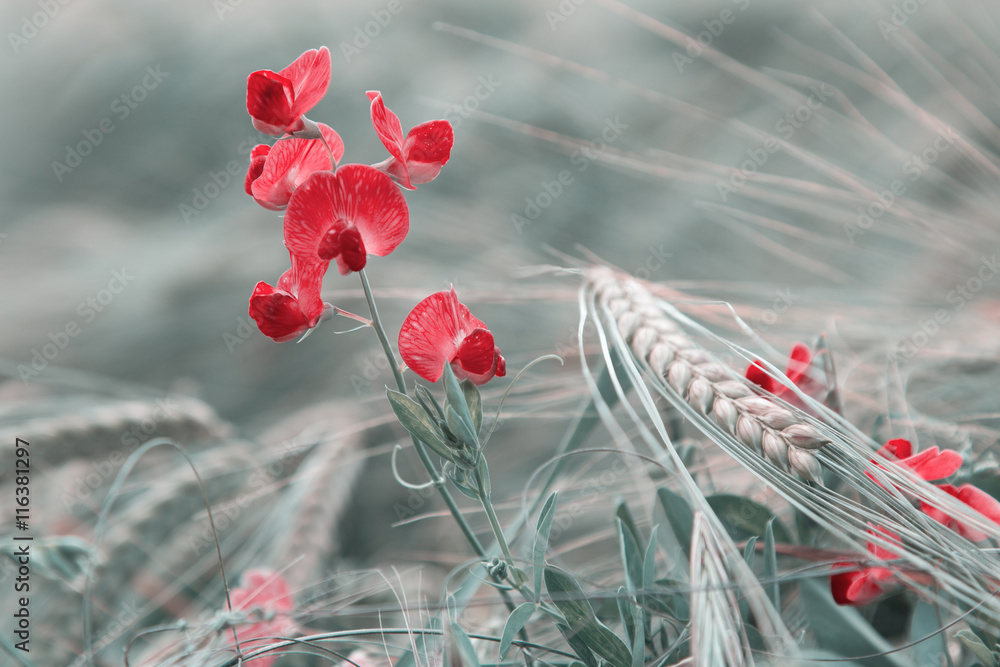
x: 780, y: 434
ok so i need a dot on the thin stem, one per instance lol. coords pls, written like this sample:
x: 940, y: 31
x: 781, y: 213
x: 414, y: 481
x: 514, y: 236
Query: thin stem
x: 494, y: 522
x: 417, y: 445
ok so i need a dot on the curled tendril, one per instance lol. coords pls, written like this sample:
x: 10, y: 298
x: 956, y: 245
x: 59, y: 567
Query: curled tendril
x: 416, y: 487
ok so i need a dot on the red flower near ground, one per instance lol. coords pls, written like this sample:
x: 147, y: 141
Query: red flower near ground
x: 275, y: 171
x: 266, y: 591
x: 975, y: 498
x: 930, y: 465
x: 277, y: 101
x: 440, y: 330
x: 346, y: 216
x: 295, y: 306
x: 419, y: 157
x: 863, y: 586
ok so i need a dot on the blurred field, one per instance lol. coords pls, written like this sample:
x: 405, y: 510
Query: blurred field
x: 645, y: 198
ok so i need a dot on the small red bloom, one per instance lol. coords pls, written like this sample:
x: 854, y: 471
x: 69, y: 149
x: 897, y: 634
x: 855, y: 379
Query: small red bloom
x: 275, y: 171
x: 295, y: 306
x: 798, y: 364
x: 930, y: 465
x: 346, y: 216
x: 440, y: 330
x: 267, y: 591
x: 277, y: 101
x: 863, y: 586
x: 975, y: 498
x: 419, y: 157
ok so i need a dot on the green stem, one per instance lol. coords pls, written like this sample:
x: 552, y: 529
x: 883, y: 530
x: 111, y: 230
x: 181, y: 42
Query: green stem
x: 494, y: 523
x: 419, y: 446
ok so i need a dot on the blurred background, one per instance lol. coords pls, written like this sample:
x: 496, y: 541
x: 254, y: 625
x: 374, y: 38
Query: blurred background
x: 129, y: 247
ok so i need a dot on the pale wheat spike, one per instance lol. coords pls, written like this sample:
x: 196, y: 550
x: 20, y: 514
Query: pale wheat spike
x: 776, y: 432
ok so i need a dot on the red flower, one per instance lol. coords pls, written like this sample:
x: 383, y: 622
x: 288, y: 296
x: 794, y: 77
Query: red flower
x: 440, y: 330
x: 419, y: 157
x: 295, y: 306
x: 863, y: 586
x: 798, y: 364
x: 277, y: 101
x: 267, y: 591
x: 275, y: 171
x: 975, y: 498
x: 345, y: 216
x: 930, y: 465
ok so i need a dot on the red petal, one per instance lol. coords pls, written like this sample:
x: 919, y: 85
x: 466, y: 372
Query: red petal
x: 291, y: 162
x: 277, y: 313
x: 863, y: 589
x: 898, y: 447
x: 352, y: 249
x: 310, y: 77
x: 260, y: 150
x: 475, y: 353
x: 932, y: 465
x: 253, y: 173
x: 501, y: 364
x: 263, y: 588
x: 427, y: 148
x: 798, y: 362
x: 387, y: 126
x: 431, y: 333
x: 356, y: 195
x: 305, y: 281
x: 269, y: 101
x: 841, y: 582
x: 329, y: 245
x: 760, y: 377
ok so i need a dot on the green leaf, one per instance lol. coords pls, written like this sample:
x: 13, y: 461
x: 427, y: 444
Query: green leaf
x: 461, y: 428
x: 631, y: 558
x: 427, y: 401
x: 649, y: 562
x: 625, y: 613
x: 415, y: 420
x: 625, y: 515
x: 750, y: 552
x: 976, y: 647
x: 924, y: 623
x: 475, y: 403
x: 462, y: 646
x: 515, y: 623
x: 771, y: 567
x: 456, y: 402
x: 578, y: 645
x: 744, y: 518
x: 843, y: 629
x: 541, y: 544
x: 680, y: 517
x: 583, y: 624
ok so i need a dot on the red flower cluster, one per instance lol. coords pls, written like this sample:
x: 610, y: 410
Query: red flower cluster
x: 268, y: 592
x: 931, y: 465
x: 333, y: 212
